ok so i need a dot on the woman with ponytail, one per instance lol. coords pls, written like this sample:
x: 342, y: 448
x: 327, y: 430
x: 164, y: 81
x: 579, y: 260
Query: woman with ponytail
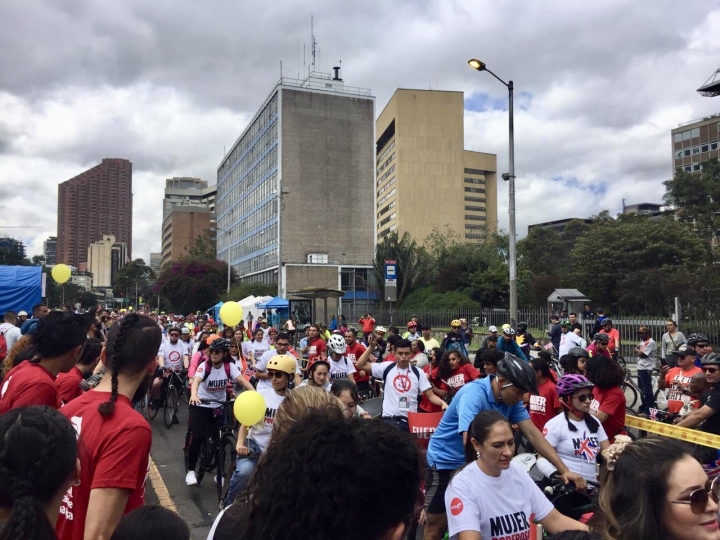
x: 38, y: 463
x: 576, y: 435
x: 113, y: 438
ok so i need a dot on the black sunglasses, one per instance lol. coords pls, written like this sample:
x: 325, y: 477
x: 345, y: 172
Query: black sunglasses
x: 709, y: 369
x: 582, y: 398
x: 174, y: 335
x: 698, y: 499
x: 275, y: 374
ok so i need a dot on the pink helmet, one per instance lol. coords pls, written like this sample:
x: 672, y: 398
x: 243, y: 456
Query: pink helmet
x: 567, y: 384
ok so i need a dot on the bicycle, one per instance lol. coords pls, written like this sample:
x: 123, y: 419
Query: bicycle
x: 170, y: 401
x: 142, y: 406
x: 217, y: 450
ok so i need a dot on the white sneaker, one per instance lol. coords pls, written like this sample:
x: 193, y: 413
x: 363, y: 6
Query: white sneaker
x: 191, y: 479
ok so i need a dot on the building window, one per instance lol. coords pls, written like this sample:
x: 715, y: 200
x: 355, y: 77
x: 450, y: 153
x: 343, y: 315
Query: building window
x: 468, y: 198
x: 686, y: 135
x: 474, y: 171
x: 695, y: 133
x: 704, y: 148
x: 475, y: 208
x: 317, y: 258
x: 696, y: 150
x: 678, y: 154
x: 474, y: 218
x: 474, y: 180
x: 474, y: 190
x: 713, y: 146
x: 474, y: 236
x: 688, y: 168
x: 696, y: 167
x: 473, y: 226
x: 686, y: 153
x: 678, y: 137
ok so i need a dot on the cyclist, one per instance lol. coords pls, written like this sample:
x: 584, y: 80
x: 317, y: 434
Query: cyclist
x: 114, y: 439
x: 455, y: 371
x: 507, y: 343
x: 439, y: 388
x: 318, y: 375
x: 701, y: 344
x: 173, y: 356
x: 187, y: 340
x: 253, y: 441
x: 340, y: 366
x: 379, y: 351
x: 492, y: 497
x: 282, y: 345
x: 709, y: 412
x: 613, y: 336
x: 545, y: 405
x: 609, y: 400
x: 209, y: 383
x: 403, y: 383
x: 524, y: 338
x: 576, y: 435
x: 453, y: 340
x: 575, y: 361
x: 347, y: 393
x: 315, y: 346
x: 676, y: 380
x: 412, y: 334
x: 599, y: 346
x: 353, y: 352
x: 503, y: 393
x: 569, y: 339
x: 257, y: 347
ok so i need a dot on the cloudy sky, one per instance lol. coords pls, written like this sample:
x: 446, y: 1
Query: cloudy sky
x: 169, y: 84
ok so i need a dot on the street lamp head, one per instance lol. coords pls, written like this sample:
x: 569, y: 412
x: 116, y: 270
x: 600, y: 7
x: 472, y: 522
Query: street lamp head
x: 477, y: 64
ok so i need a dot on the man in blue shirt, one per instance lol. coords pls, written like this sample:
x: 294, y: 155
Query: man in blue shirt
x: 503, y: 393
x: 508, y: 344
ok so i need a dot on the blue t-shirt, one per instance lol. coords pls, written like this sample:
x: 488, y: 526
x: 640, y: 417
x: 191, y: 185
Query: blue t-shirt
x: 446, y: 450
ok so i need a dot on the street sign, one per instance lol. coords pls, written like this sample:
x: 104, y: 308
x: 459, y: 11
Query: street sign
x: 390, y: 281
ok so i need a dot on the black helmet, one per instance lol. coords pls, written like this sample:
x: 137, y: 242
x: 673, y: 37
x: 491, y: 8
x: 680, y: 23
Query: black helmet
x: 606, y: 322
x: 579, y: 352
x: 220, y: 345
x: 518, y: 372
x: 697, y: 338
x: 521, y: 326
x: 711, y: 359
x: 600, y: 337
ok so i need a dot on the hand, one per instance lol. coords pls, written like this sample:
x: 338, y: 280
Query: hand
x: 241, y: 449
x: 575, y: 478
x: 444, y: 406
x: 664, y: 369
x: 194, y: 400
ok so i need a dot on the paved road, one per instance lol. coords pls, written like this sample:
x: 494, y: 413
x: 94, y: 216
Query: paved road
x: 198, y: 505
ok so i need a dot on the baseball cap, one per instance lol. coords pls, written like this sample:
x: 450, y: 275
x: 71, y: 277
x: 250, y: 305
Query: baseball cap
x: 22, y: 314
x: 492, y: 329
x: 185, y: 330
x: 684, y: 350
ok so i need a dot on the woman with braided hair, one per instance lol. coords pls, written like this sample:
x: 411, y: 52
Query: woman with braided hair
x: 113, y: 438
x: 38, y: 463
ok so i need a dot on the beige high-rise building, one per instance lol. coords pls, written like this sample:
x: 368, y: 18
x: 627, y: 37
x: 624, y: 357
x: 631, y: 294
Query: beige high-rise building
x: 694, y: 142
x: 105, y: 258
x: 425, y: 178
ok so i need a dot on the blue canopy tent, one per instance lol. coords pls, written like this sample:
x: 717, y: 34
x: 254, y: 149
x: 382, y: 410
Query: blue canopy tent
x: 214, y: 311
x: 20, y: 287
x: 281, y: 307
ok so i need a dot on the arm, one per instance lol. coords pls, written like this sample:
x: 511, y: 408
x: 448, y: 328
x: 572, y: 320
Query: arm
x: 663, y: 349
x: 105, y: 510
x: 241, y: 445
x: 242, y: 381
x: 362, y: 363
x: 194, y: 399
x: 696, y: 417
x: 533, y: 435
x: 662, y: 383
x: 469, y: 535
x: 434, y: 399
x: 555, y: 522
x: 186, y: 361
x: 298, y: 380
x: 161, y: 361
x: 600, y: 415
x: 351, y: 376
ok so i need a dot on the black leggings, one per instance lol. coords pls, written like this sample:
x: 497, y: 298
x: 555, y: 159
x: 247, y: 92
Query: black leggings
x: 200, y: 419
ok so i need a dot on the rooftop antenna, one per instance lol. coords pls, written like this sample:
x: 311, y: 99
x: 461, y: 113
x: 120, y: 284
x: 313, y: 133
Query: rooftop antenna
x: 298, y: 76
x: 313, y: 43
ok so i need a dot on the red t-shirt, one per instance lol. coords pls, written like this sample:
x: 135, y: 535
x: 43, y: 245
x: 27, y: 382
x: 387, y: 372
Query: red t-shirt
x: 68, y: 384
x: 543, y: 407
x: 353, y: 353
x: 610, y: 401
x: 594, y: 351
x: 368, y: 325
x: 114, y: 453
x: 315, y: 348
x: 677, y: 382
x: 28, y: 384
x: 425, y: 404
x: 461, y: 376
x: 613, y: 335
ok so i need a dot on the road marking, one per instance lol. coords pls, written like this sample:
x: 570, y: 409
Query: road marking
x: 160, y: 488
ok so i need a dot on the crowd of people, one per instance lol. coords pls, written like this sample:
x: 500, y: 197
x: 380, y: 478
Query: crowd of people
x: 74, y: 452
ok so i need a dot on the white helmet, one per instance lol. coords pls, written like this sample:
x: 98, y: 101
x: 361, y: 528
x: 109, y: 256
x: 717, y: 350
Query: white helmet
x: 337, y: 344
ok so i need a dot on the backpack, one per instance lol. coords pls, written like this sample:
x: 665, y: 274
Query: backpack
x: 3, y: 345
x: 208, y: 369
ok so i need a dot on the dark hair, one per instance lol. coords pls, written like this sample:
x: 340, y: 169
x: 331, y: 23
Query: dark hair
x: 131, y: 346
x: 228, y: 329
x: 38, y: 449
x: 634, y: 493
x: 282, y: 335
x: 492, y: 356
x: 425, y: 327
x: 58, y: 333
x: 545, y: 355
x: 554, y: 318
x: 352, y: 330
x: 386, y: 470
x: 315, y: 326
x: 36, y: 308
x: 569, y: 364
x: 341, y: 385
x: 574, y: 535
x: 539, y: 364
x: 151, y: 521
x: 480, y: 429
x: 444, y: 369
x: 438, y: 354
x: 394, y: 330
x: 419, y: 344
x: 572, y: 313
x: 90, y: 351
x: 258, y: 329
x: 403, y: 343
x: 604, y: 372
x: 672, y: 321
x: 242, y: 332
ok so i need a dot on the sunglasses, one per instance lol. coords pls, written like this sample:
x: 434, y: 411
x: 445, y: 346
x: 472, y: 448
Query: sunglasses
x: 174, y: 335
x: 702, y: 345
x: 275, y: 374
x: 455, y: 327
x: 710, y: 370
x: 698, y: 499
x: 582, y: 398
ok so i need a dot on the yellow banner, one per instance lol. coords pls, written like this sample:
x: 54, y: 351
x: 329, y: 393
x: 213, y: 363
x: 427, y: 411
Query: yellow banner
x: 676, y: 432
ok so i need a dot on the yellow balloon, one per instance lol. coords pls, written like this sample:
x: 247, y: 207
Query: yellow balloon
x: 231, y: 313
x: 249, y: 408
x: 61, y: 273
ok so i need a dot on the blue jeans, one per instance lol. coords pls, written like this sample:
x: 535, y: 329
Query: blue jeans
x: 243, y: 469
x: 645, y: 386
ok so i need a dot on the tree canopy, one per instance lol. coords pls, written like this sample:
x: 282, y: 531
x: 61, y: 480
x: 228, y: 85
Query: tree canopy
x: 190, y: 285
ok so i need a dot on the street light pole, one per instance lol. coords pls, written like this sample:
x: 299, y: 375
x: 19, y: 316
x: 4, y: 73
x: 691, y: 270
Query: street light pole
x: 510, y: 177
x: 216, y: 228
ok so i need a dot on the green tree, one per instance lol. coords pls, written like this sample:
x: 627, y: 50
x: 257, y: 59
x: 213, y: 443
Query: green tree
x: 38, y: 260
x: 135, y: 276
x: 189, y: 285
x: 696, y: 197
x: 412, y: 262
x: 205, y: 246
x: 426, y: 298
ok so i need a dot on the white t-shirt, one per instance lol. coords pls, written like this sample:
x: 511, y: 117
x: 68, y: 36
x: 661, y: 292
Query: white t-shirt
x: 215, y: 386
x: 327, y: 386
x: 341, y: 369
x: 189, y: 346
x: 12, y: 334
x: 261, y: 365
x: 568, y: 341
x: 258, y: 349
x: 578, y: 449
x: 260, y: 432
x: 173, y: 354
x: 499, y: 507
x: 401, y: 389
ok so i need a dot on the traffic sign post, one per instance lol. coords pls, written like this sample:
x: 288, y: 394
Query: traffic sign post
x: 391, y: 284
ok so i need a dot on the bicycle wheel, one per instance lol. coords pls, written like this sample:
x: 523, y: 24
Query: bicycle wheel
x: 631, y: 394
x: 152, y: 411
x: 171, y: 407
x: 226, y: 455
x: 200, y: 467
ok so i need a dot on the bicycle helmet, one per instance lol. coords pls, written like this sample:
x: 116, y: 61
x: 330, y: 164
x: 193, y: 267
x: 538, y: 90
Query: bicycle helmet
x: 697, y: 338
x: 456, y: 323
x: 412, y: 324
x: 211, y: 338
x: 337, y: 344
x: 711, y: 359
x: 518, y: 372
x: 607, y: 322
x: 579, y: 352
x: 521, y: 327
x: 565, y: 322
x: 381, y: 329
x: 220, y: 344
x: 283, y: 362
x: 567, y: 384
x: 602, y: 338
x: 508, y: 331
x: 317, y: 361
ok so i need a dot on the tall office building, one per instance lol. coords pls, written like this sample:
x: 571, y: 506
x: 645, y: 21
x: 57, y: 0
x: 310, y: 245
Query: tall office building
x: 425, y: 177
x: 50, y: 251
x: 296, y: 190
x: 94, y: 203
x: 105, y: 257
x: 156, y: 262
x: 185, y: 191
x: 695, y: 141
